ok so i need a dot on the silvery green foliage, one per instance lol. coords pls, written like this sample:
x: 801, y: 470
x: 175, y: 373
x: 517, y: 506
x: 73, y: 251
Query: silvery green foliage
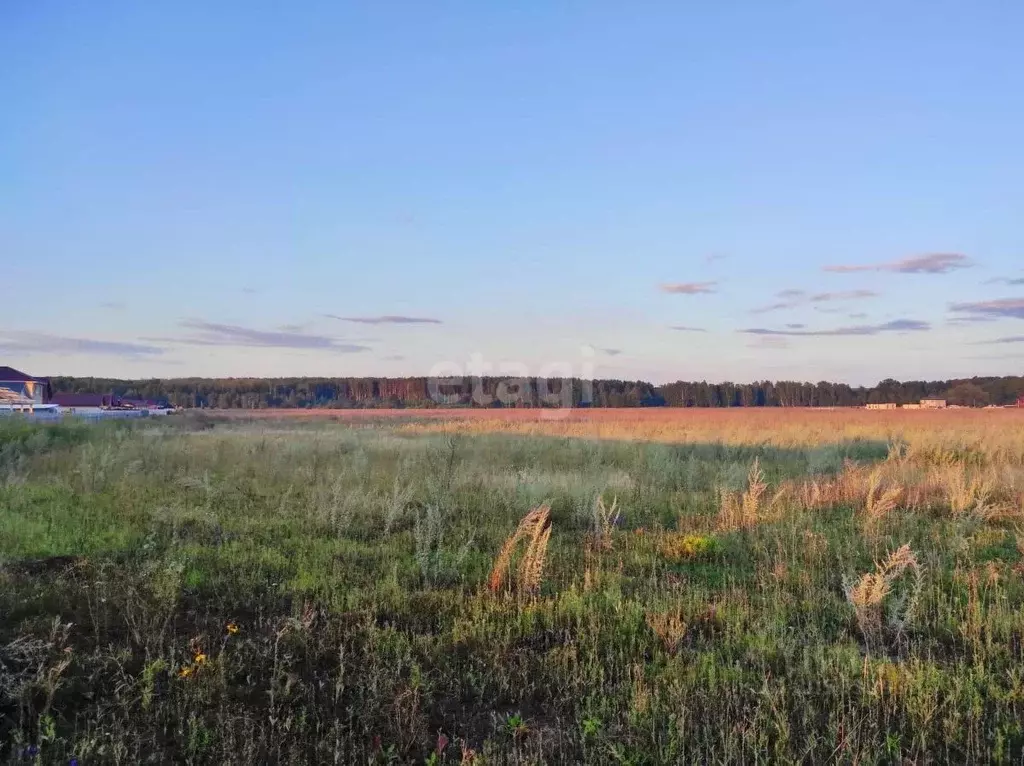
x: 428, y: 532
x: 733, y: 476
x: 394, y: 505
x: 902, y: 607
x: 337, y: 503
x: 826, y: 461
x: 443, y: 464
x: 437, y: 565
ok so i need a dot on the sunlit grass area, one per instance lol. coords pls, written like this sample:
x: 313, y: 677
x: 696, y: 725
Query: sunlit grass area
x: 998, y: 432
x: 379, y: 591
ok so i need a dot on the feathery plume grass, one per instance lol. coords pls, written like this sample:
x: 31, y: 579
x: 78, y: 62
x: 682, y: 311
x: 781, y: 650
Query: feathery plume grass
x: 964, y: 493
x: 876, y: 602
x: 605, y: 520
x: 879, y: 502
x: 535, y: 529
x: 741, y: 510
x: 531, y: 568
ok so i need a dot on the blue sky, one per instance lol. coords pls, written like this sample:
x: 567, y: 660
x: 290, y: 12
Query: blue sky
x: 809, y: 190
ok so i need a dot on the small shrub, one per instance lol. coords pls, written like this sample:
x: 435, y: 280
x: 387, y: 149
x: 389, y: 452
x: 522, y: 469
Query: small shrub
x: 826, y: 461
x: 670, y: 629
x: 394, y: 505
x: 680, y: 547
x: 437, y: 565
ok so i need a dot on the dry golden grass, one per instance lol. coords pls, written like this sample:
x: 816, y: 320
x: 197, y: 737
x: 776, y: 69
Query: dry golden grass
x: 995, y: 434
x: 670, y: 629
x: 963, y: 462
x: 740, y: 510
x: 874, y: 591
x: 989, y: 493
x: 880, y: 502
x: 535, y: 530
x: 606, y: 518
x: 998, y: 434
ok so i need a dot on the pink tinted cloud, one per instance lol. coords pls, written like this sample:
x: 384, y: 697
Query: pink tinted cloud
x: 933, y: 263
x: 689, y: 288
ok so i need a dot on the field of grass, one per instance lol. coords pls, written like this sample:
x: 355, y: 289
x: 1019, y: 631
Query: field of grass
x: 691, y: 587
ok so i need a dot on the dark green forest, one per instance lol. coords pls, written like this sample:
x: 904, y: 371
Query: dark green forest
x: 341, y: 393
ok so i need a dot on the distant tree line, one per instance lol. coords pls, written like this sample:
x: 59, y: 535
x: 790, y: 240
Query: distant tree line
x: 340, y: 393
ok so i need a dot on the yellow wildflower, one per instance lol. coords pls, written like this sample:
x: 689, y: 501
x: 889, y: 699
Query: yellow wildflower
x: 185, y: 672
x: 232, y: 628
x: 200, y: 658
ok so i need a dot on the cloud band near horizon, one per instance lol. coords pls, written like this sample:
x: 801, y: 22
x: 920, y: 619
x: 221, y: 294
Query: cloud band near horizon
x: 217, y: 334
x: 45, y: 343
x: 385, y: 319
x: 1003, y: 308
x: 934, y: 263
x: 897, y: 325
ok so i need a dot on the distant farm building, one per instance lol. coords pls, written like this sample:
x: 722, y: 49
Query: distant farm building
x: 83, y: 403
x: 911, y: 406
x: 1020, y: 401
x: 16, y: 384
x: 138, y: 404
x: 933, y: 404
x: 109, y: 405
x: 21, y: 393
x: 882, y: 406
x: 25, y: 394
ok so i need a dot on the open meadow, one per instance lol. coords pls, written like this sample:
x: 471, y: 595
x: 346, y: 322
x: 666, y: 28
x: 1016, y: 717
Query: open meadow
x: 604, y: 586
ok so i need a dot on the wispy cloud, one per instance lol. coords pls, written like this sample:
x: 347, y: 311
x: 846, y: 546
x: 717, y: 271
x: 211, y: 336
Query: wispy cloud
x: 216, y: 334
x: 1010, y: 339
x: 795, y: 326
x: 934, y: 263
x: 386, y: 319
x: 1002, y: 356
x: 689, y: 288
x: 843, y: 295
x: 715, y: 257
x: 897, y: 325
x: 1005, y: 281
x: 971, y: 319
x: 394, y: 358
x: 685, y: 328
x: 858, y: 315
x: 612, y: 351
x: 1012, y: 308
x: 44, y: 343
x: 769, y: 341
x: 113, y: 305
x: 779, y: 306
x: 793, y: 298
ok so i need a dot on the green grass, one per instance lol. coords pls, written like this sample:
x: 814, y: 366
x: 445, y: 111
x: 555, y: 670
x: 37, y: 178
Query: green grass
x: 353, y: 562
